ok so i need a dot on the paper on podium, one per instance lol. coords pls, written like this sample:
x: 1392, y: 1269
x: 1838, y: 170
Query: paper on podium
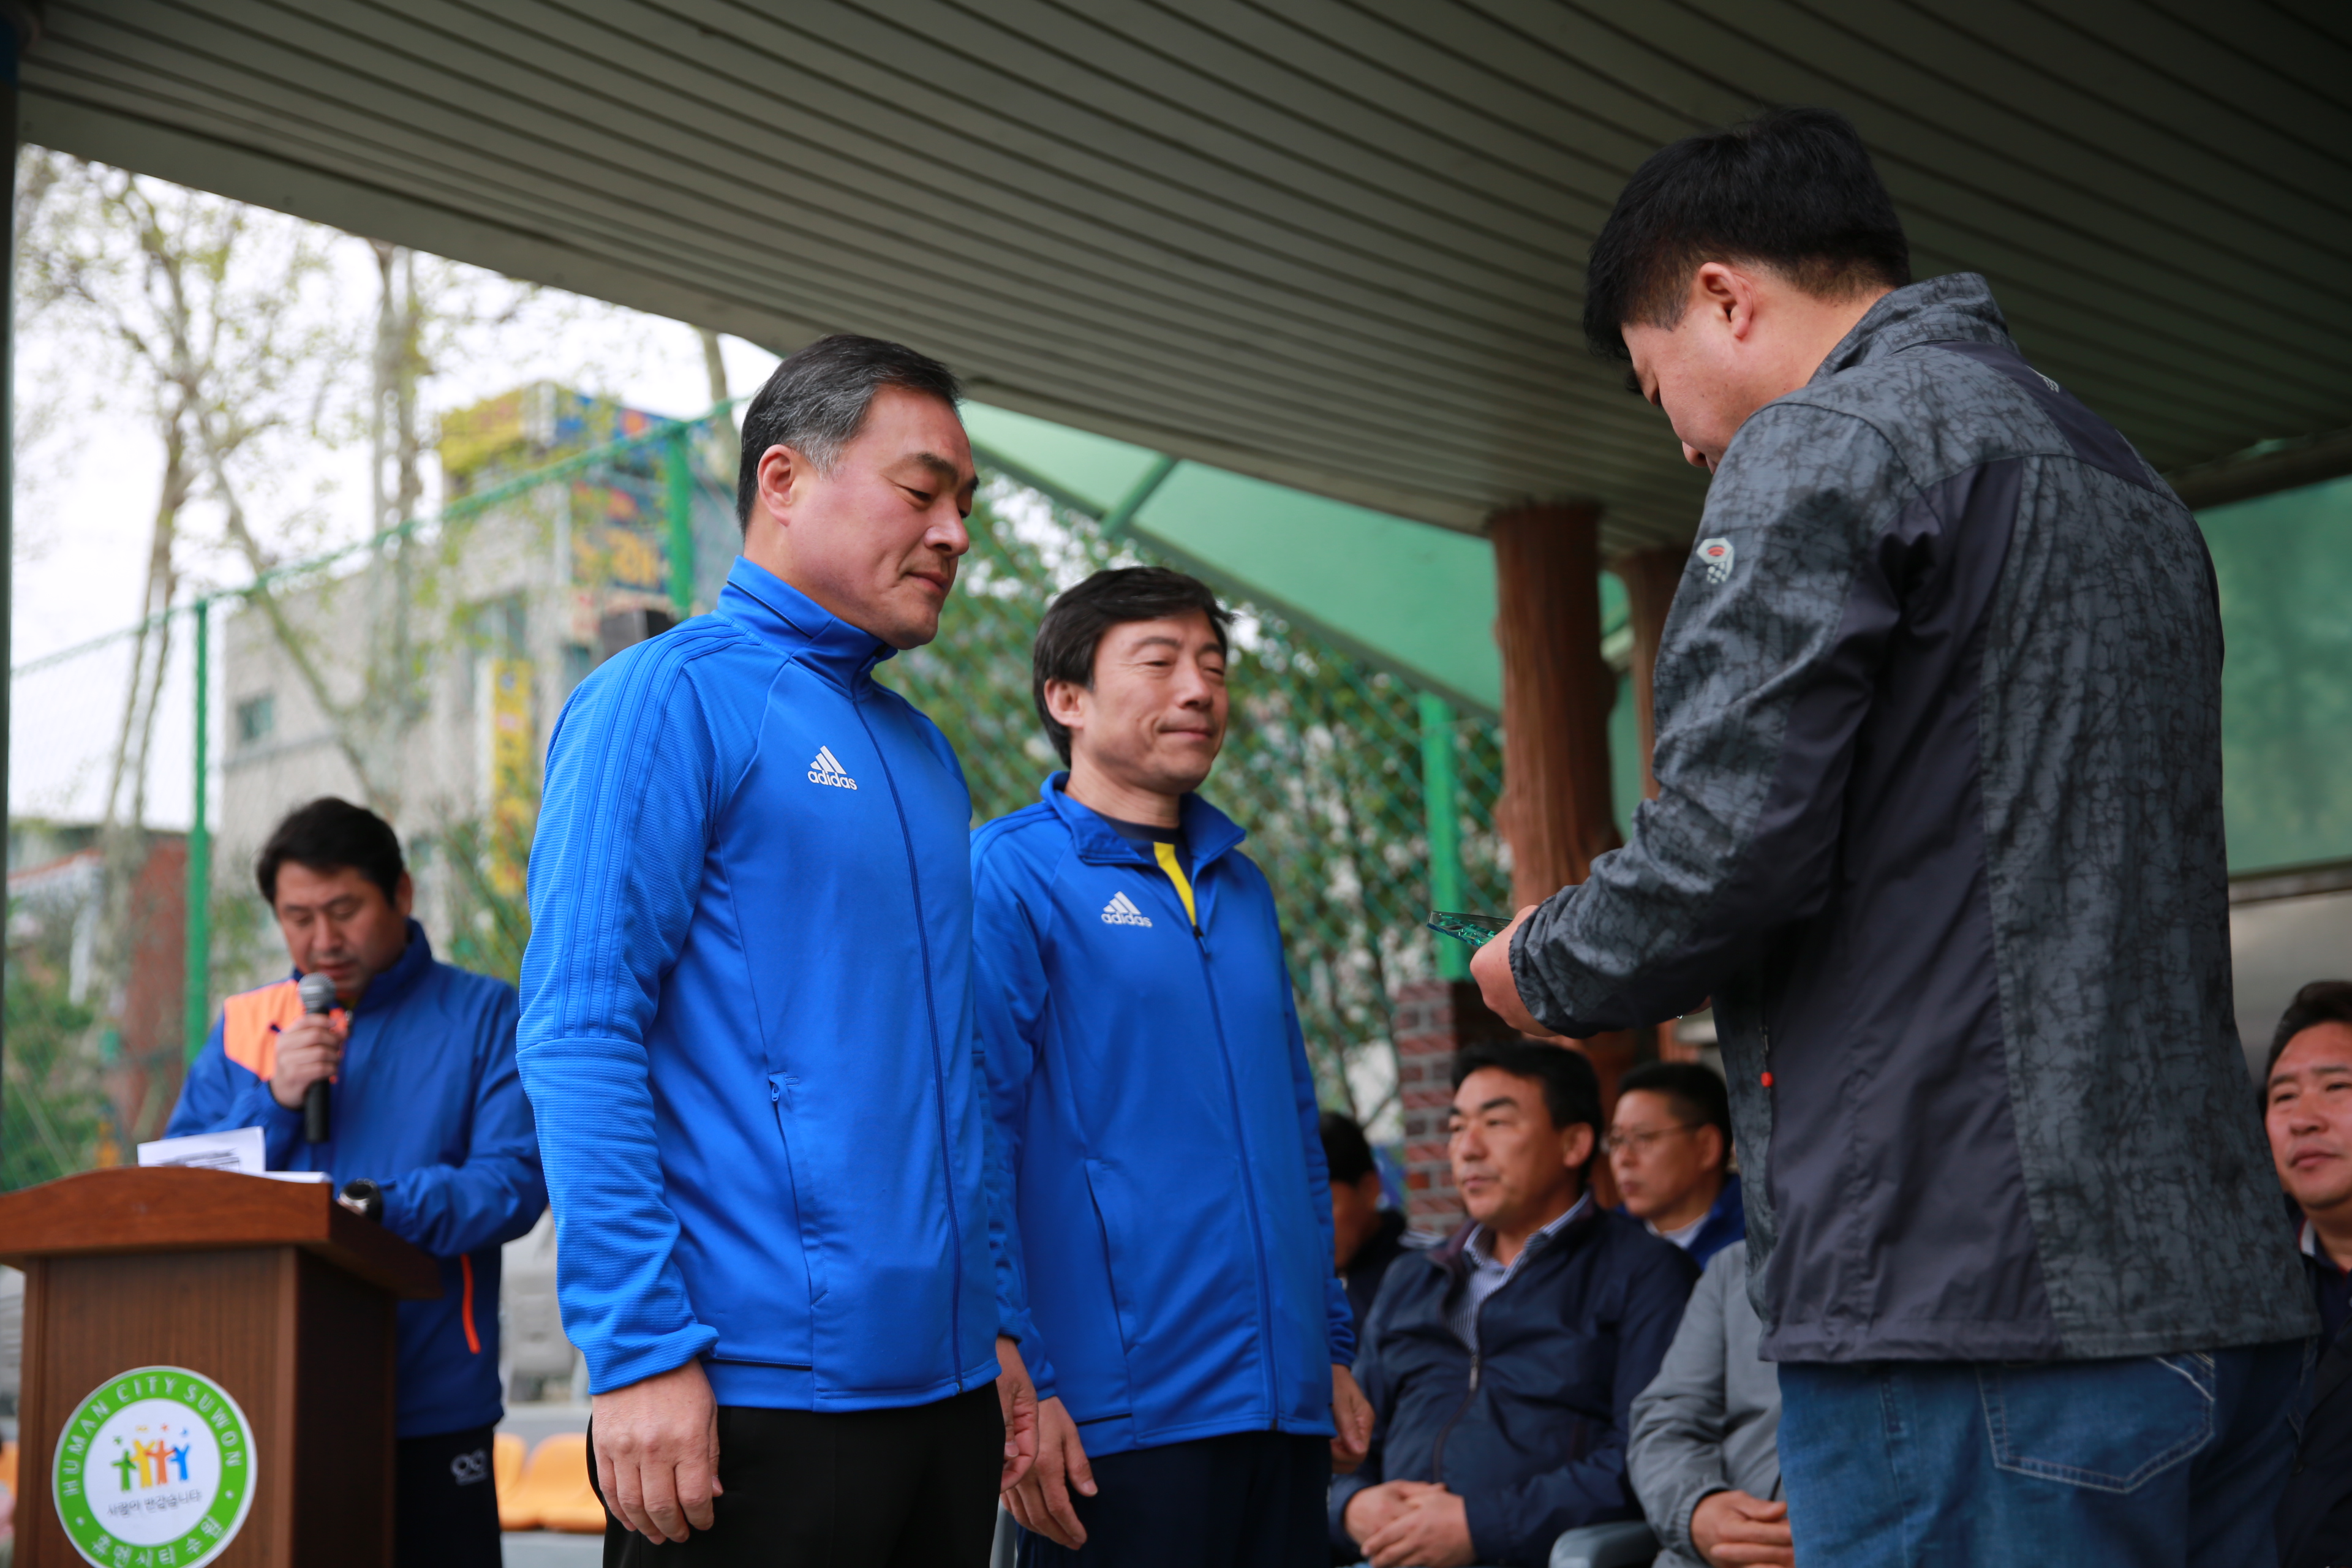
x: 241, y: 1151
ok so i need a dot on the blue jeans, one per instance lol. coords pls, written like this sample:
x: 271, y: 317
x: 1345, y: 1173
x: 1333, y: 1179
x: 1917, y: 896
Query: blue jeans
x: 2150, y: 1461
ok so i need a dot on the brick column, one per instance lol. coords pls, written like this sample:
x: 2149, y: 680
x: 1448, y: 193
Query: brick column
x: 1433, y: 1018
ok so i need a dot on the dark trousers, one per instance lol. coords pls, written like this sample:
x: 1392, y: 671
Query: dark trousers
x: 913, y: 1487
x: 1247, y: 1499
x: 445, y: 1506
x: 2172, y: 1461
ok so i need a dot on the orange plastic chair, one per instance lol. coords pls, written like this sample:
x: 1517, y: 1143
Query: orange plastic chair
x: 506, y: 1469
x: 553, y: 1492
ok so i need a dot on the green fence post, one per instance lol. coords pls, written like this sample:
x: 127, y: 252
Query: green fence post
x: 200, y: 854
x: 679, y: 474
x: 1444, y: 828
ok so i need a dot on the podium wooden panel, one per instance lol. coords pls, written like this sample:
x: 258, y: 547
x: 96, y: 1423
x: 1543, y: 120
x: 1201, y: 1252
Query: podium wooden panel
x: 271, y: 1289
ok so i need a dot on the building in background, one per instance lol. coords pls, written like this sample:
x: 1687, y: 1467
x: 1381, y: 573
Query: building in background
x: 424, y: 680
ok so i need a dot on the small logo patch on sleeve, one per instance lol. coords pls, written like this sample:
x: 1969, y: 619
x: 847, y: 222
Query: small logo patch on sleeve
x: 1715, y: 554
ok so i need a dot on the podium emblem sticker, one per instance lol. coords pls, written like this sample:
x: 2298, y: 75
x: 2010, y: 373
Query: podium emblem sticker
x: 153, y: 1471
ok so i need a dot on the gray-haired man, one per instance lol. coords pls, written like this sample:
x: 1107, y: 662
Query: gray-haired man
x: 747, y: 1025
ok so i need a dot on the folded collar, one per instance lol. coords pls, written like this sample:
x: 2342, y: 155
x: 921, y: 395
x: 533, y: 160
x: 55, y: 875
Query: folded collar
x: 782, y: 616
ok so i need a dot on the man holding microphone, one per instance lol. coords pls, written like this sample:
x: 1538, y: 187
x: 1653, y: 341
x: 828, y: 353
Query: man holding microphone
x: 747, y: 1028
x: 426, y: 1130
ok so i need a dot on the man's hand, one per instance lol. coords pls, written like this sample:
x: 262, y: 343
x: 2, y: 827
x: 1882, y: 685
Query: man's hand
x: 1351, y: 1419
x: 307, y: 1052
x: 1042, y: 1501
x: 1732, y: 1530
x: 1432, y: 1530
x: 1490, y: 966
x: 1371, y: 1510
x: 1016, y: 1396
x: 657, y: 1453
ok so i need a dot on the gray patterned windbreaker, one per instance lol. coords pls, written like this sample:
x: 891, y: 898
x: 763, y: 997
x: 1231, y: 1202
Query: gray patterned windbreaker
x: 1939, y: 829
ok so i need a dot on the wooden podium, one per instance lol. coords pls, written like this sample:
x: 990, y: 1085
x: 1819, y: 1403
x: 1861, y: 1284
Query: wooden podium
x: 272, y: 1292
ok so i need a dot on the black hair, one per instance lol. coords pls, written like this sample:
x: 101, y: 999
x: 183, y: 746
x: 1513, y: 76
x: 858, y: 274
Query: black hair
x: 1346, y: 1149
x: 2321, y: 1001
x: 1076, y: 621
x: 1572, y: 1090
x: 327, y: 835
x: 1695, y: 1092
x: 1792, y: 189
x: 815, y: 403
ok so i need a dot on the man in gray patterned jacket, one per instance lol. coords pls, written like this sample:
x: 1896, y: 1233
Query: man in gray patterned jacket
x: 1939, y: 829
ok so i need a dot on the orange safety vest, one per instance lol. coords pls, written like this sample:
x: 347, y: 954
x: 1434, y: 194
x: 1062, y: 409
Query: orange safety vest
x: 250, y: 1021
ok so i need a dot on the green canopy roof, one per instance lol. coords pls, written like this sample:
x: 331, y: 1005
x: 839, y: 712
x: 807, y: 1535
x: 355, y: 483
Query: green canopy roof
x: 1419, y: 601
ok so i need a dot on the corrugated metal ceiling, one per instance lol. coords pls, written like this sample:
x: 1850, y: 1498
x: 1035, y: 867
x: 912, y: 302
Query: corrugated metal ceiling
x: 1334, y: 243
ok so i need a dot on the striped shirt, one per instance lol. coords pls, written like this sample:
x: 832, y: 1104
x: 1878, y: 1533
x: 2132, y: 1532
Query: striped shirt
x: 1487, y: 1275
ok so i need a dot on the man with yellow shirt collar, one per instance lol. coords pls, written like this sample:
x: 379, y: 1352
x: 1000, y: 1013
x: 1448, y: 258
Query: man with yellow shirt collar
x: 1171, y: 1247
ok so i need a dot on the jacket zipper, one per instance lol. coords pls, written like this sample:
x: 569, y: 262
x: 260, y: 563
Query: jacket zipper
x: 1241, y: 1133
x: 1477, y: 1360
x: 939, y: 1072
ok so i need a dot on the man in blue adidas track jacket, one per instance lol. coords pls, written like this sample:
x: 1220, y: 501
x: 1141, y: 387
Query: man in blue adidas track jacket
x: 747, y: 1029
x: 1172, y: 1251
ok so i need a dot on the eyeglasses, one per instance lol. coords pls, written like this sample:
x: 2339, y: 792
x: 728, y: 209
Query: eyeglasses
x: 1642, y: 1140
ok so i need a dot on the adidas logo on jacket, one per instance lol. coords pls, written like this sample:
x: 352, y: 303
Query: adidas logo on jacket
x: 827, y: 769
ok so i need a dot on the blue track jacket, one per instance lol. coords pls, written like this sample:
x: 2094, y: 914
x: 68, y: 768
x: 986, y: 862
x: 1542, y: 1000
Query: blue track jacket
x: 1171, y: 1259
x: 746, y: 1020
x: 427, y: 1106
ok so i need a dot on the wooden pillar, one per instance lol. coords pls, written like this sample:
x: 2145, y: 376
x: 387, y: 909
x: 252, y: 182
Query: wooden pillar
x: 1556, y: 811
x: 1650, y: 577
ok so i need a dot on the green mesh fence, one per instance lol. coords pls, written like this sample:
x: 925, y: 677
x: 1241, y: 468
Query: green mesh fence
x: 421, y: 674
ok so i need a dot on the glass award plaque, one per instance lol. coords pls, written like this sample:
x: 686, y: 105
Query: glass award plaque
x: 1476, y: 930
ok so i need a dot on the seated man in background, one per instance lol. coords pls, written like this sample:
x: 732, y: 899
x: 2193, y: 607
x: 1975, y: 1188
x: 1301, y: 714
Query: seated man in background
x: 1669, y: 1147
x: 1368, y: 1234
x: 2307, y: 1109
x: 1701, y: 1458
x: 1502, y: 1366
x: 430, y: 1133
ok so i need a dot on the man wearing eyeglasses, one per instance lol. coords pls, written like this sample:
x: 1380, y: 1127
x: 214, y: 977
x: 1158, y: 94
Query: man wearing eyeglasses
x: 1669, y: 1143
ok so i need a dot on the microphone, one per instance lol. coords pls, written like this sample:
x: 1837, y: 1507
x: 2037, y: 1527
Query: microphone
x: 318, y: 994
